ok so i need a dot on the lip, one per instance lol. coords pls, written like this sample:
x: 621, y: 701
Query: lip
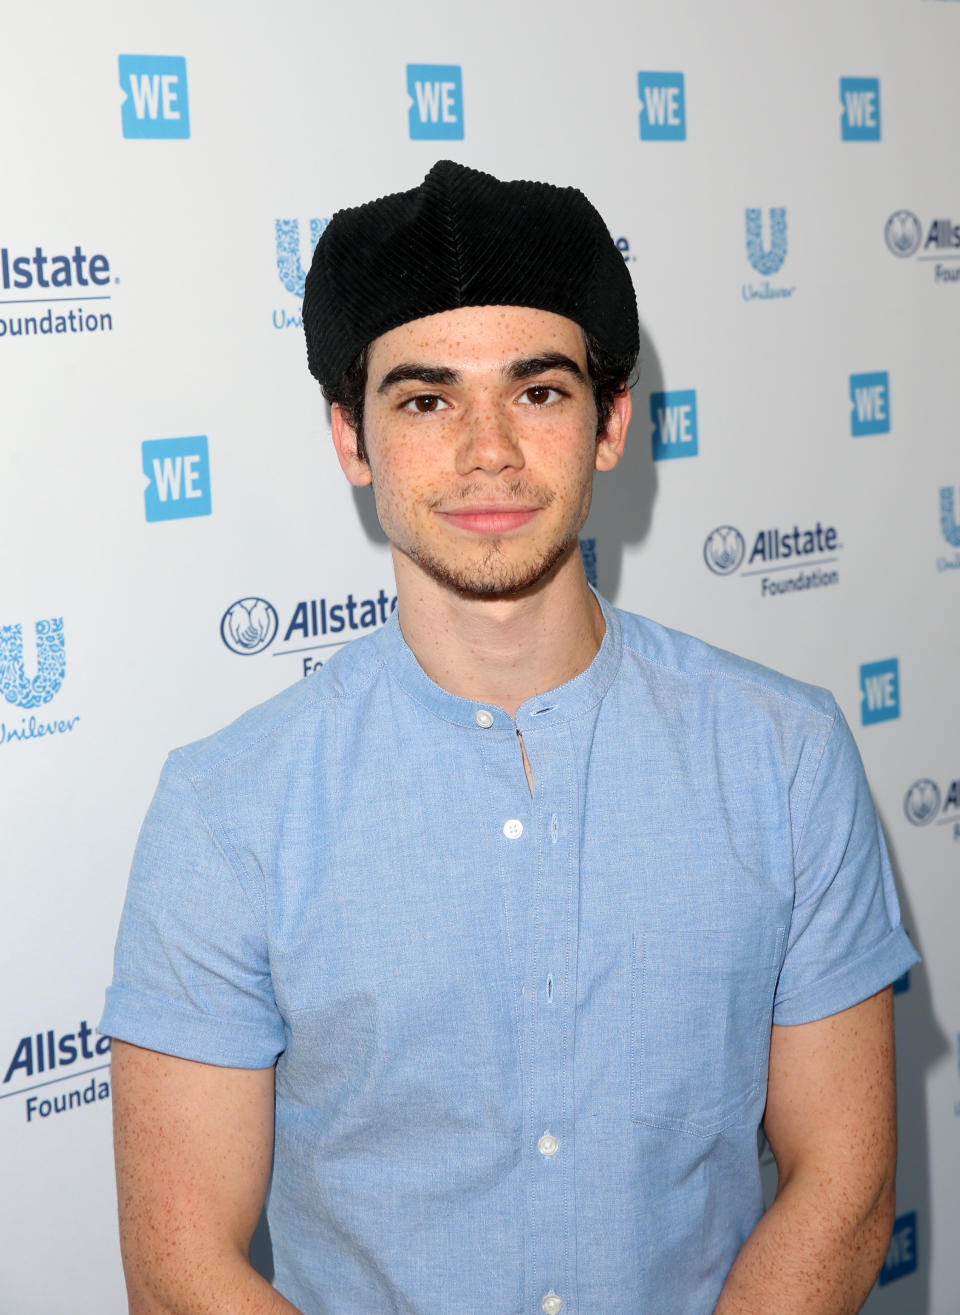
x: 491, y: 519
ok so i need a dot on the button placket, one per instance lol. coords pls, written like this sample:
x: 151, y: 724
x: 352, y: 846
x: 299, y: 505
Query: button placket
x: 548, y: 1026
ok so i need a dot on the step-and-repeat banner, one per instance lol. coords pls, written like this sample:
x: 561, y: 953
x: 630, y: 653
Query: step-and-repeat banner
x: 177, y: 542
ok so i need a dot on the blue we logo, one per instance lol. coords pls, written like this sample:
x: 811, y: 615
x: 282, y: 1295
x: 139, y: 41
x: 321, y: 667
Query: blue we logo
x: 870, y: 404
x: 436, y: 96
x: 178, y: 478
x: 155, y: 96
x: 902, y: 1253
x: 663, y: 109
x: 674, y: 416
x: 860, y: 109
x: 879, y: 691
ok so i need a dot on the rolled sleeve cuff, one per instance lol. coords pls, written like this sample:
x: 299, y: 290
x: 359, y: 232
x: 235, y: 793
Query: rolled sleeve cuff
x: 855, y: 981
x: 154, y: 1024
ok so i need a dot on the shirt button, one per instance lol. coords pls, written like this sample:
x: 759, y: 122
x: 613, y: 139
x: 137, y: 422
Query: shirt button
x: 513, y: 828
x: 548, y: 1144
x: 483, y: 718
x: 551, y: 1304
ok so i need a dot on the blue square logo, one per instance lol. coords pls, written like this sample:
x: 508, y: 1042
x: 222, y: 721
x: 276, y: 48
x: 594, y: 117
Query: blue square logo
x: 879, y: 691
x: 860, y: 109
x: 436, y: 102
x: 155, y: 96
x: 674, y: 417
x: 869, y: 404
x: 663, y: 107
x: 902, y: 1254
x: 178, y: 478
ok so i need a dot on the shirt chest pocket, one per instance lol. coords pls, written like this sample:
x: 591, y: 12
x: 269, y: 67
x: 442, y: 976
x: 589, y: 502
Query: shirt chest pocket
x: 701, y: 1013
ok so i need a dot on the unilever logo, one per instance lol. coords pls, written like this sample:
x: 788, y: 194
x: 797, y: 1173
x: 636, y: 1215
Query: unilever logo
x: 249, y: 626
x: 767, y: 259
x: 30, y: 691
x: 724, y: 549
x: 949, y: 524
x: 903, y: 233
x: 921, y: 803
x: 290, y: 265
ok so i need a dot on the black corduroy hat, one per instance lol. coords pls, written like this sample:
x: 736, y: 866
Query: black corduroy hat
x: 463, y: 238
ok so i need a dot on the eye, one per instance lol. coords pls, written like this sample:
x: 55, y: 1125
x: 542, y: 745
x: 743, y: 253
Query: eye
x: 540, y: 394
x: 425, y: 404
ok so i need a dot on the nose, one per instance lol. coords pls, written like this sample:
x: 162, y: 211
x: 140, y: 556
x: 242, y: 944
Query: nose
x: 488, y: 442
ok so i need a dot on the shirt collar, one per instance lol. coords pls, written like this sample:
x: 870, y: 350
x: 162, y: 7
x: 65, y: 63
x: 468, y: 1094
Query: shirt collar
x: 569, y: 700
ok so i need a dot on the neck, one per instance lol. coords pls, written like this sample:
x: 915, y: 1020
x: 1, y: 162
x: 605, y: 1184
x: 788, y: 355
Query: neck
x: 501, y: 651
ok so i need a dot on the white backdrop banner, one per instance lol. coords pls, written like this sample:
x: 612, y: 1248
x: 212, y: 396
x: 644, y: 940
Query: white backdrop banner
x: 177, y: 542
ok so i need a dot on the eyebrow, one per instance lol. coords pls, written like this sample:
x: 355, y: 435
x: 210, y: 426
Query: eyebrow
x: 441, y: 376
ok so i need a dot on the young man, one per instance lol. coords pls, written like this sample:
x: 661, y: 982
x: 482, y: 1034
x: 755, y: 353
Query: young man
x: 428, y: 934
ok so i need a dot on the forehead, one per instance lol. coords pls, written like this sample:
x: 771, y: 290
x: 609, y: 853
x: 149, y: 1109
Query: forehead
x: 477, y: 336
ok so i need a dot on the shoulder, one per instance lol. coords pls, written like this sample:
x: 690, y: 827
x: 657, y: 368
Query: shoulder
x: 280, y: 728
x: 715, y: 675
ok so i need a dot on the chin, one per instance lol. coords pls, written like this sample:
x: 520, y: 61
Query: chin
x: 496, y: 576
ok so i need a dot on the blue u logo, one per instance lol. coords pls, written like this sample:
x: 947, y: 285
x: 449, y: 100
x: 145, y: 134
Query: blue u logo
x: 767, y: 260
x: 948, y: 517
x: 15, y: 685
x: 289, y: 265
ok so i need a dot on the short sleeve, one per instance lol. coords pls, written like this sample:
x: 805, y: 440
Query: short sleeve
x: 191, y: 968
x: 846, y: 941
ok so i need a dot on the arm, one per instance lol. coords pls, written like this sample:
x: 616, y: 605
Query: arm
x: 831, y: 1123
x: 194, y: 1144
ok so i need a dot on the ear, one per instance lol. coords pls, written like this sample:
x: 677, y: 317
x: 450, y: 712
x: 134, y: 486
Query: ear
x: 611, y: 441
x: 354, y: 467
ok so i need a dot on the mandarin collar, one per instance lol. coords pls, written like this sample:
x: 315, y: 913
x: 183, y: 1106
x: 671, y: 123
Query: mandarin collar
x: 569, y: 700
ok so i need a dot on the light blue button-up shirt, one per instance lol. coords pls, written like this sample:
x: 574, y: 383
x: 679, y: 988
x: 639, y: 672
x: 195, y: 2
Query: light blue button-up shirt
x: 521, y: 1042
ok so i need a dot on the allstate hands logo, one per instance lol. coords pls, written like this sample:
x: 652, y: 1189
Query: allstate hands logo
x: 724, y: 550
x: 15, y: 685
x: 249, y: 626
x: 903, y: 233
x: 767, y: 260
x: 922, y: 802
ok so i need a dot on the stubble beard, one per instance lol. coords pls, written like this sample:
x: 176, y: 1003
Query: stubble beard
x: 493, y: 574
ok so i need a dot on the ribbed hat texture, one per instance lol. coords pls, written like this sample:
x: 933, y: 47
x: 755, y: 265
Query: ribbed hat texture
x: 463, y: 238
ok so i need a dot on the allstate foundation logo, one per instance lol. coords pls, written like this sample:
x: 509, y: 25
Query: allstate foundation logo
x: 313, y: 625
x: 724, y: 549
x: 802, y: 551
x: 921, y: 803
x: 15, y: 685
x: 903, y: 233
x: 766, y: 254
x: 925, y: 803
x: 249, y: 625
x: 40, y: 278
x: 939, y: 244
x: 291, y: 265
